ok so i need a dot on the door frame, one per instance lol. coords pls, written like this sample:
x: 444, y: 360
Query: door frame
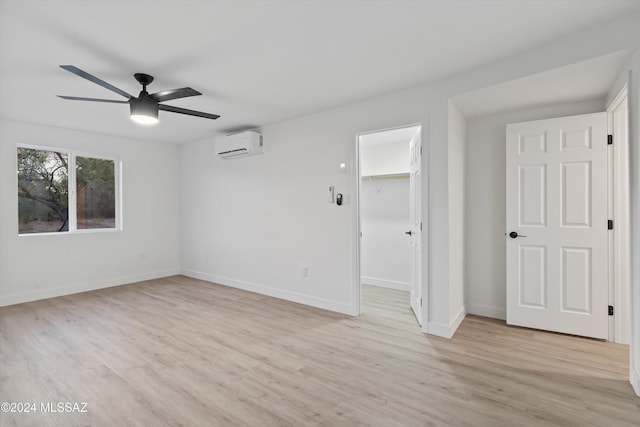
x: 357, y: 253
x: 619, y: 210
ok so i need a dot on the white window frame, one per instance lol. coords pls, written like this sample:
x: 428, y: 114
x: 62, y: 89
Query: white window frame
x: 73, y: 207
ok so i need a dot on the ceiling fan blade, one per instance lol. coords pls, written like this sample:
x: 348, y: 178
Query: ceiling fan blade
x: 78, y: 72
x: 77, y: 98
x: 166, y: 95
x: 187, y: 112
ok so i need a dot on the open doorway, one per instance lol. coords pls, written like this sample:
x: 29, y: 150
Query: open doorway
x: 390, y: 221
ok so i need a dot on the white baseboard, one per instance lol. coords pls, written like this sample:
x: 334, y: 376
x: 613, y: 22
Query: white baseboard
x: 383, y: 283
x: 437, y: 329
x: 273, y: 292
x: 443, y: 330
x: 635, y: 381
x: 83, y: 287
x: 458, y: 320
x: 487, y: 311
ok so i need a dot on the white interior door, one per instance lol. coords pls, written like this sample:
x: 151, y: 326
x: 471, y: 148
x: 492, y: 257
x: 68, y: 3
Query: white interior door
x: 415, y: 226
x: 557, y: 259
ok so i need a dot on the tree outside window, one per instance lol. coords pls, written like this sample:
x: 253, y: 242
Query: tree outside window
x: 96, y: 193
x: 45, y: 202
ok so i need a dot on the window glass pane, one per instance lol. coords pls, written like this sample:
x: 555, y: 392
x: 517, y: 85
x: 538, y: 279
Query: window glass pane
x: 96, y: 193
x: 43, y: 191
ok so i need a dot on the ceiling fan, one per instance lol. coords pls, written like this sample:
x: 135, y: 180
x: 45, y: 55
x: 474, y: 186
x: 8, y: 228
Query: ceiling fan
x: 144, y: 107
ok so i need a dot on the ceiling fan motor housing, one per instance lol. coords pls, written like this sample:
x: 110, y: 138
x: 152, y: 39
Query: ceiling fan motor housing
x: 144, y: 106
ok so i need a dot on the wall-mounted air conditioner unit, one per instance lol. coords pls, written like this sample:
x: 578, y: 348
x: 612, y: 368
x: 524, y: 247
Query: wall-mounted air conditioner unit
x: 241, y: 144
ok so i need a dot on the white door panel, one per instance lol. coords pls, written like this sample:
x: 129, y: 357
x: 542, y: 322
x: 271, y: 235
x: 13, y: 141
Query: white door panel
x: 557, y: 267
x: 415, y: 226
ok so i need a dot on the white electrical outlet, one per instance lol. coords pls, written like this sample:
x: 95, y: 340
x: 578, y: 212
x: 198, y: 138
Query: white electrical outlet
x: 305, y: 271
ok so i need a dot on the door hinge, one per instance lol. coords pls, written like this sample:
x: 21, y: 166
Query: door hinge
x: 421, y: 150
x: 420, y: 226
x: 609, y: 139
x: 610, y: 224
x: 610, y: 310
x: 420, y: 302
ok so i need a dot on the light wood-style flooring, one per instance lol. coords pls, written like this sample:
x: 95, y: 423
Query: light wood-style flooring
x: 183, y: 352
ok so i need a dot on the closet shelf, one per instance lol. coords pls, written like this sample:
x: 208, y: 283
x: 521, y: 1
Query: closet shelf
x: 385, y: 176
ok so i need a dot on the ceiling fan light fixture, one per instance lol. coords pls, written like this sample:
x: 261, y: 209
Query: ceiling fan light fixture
x: 144, y: 111
x: 144, y: 120
x: 144, y: 107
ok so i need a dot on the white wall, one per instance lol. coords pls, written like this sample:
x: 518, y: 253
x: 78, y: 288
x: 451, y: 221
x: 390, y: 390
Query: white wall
x: 457, y: 132
x: 485, y: 251
x: 271, y: 211
x: 384, y: 215
x: 252, y: 223
x: 35, y: 267
x: 385, y: 248
x: 255, y: 222
x: 384, y: 158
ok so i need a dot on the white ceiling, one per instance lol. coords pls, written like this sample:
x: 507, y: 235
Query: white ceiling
x: 256, y: 62
x: 582, y: 81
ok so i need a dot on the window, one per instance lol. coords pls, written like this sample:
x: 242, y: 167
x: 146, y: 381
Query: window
x: 61, y: 191
x: 95, y: 193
